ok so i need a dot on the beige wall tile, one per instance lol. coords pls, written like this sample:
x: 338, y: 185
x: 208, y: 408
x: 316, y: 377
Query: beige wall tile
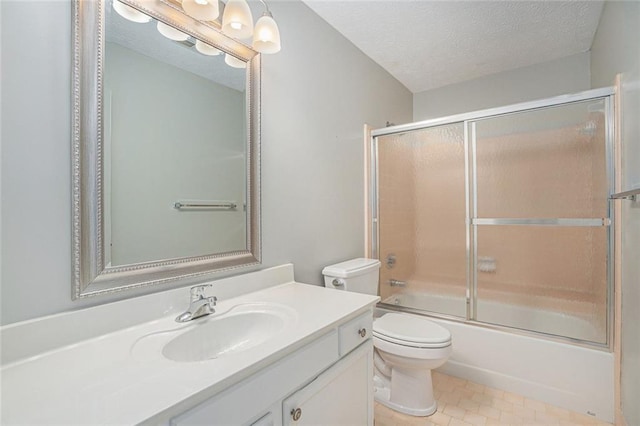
x: 422, y: 171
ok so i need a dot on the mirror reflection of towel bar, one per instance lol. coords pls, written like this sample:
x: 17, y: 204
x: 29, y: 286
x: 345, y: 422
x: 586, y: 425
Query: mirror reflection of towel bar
x: 226, y: 205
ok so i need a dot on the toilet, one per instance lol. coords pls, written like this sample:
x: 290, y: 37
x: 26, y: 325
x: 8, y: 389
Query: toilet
x: 407, y: 347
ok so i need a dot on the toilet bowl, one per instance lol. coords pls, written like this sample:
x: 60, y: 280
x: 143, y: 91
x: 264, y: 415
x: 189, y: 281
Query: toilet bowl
x: 407, y: 347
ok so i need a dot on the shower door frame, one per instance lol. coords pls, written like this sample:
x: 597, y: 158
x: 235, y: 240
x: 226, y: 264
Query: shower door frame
x: 468, y: 120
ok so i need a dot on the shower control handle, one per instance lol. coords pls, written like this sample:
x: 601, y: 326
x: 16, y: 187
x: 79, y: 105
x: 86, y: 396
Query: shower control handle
x: 390, y: 260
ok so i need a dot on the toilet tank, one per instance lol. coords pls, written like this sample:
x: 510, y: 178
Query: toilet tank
x: 358, y: 275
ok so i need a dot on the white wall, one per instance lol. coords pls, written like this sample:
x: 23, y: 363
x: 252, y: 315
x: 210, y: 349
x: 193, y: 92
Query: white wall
x: 36, y: 175
x: 317, y: 93
x: 616, y: 49
x: 558, y: 77
x: 183, y: 142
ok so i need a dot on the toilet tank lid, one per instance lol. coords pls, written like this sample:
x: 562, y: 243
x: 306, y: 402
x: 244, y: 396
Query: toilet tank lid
x: 411, y: 328
x: 351, y: 268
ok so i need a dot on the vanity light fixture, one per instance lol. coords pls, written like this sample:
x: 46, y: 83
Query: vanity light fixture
x: 171, y: 33
x: 266, y: 35
x: 234, y: 62
x: 202, y: 10
x: 206, y: 49
x: 129, y: 13
x: 237, y: 22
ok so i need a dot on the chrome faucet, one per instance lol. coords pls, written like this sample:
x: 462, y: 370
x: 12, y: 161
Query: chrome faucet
x: 199, y: 305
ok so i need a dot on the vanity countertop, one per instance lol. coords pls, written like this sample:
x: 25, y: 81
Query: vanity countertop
x: 102, y: 380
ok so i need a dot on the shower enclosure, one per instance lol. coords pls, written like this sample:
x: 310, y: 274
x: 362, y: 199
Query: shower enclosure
x: 500, y: 217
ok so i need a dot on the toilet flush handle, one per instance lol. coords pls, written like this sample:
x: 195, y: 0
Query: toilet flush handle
x: 337, y: 282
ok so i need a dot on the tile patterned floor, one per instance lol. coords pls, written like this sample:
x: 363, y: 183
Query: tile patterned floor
x: 464, y: 403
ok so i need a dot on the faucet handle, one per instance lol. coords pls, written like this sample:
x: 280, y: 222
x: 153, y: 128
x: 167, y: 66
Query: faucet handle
x: 213, y: 300
x: 198, y: 291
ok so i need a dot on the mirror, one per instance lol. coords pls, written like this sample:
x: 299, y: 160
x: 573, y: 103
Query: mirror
x: 165, y: 150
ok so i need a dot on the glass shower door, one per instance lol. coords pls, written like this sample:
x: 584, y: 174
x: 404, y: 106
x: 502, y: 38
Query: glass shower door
x: 422, y: 213
x: 541, y: 220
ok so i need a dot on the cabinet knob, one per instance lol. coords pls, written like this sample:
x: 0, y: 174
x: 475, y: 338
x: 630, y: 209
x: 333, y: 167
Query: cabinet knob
x: 362, y: 332
x: 296, y: 413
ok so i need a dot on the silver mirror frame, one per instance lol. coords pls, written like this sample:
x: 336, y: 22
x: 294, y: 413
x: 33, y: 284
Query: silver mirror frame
x: 90, y: 275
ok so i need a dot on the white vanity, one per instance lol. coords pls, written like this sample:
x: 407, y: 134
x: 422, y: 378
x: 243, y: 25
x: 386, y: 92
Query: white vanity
x: 284, y: 353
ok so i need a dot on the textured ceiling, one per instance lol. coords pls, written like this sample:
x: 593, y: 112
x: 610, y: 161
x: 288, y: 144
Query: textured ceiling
x: 429, y: 44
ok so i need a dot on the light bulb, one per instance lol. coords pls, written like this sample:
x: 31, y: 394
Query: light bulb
x: 171, y: 33
x: 129, y: 13
x: 201, y: 10
x: 237, y: 21
x: 234, y: 62
x: 206, y: 49
x: 266, y: 35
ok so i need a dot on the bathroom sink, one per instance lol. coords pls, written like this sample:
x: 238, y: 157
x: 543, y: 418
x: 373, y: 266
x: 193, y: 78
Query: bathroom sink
x: 236, y: 331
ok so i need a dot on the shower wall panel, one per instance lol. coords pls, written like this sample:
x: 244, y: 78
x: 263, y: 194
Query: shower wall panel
x: 397, y: 209
x: 544, y: 164
x: 505, y: 223
x: 545, y: 269
x: 423, y: 222
x: 547, y: 163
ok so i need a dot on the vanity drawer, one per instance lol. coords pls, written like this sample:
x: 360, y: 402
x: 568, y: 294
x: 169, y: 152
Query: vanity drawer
x: 355, y: 332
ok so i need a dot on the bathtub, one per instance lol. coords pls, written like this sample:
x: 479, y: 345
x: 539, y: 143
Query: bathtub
x: 574, y: 377
x: 521, y: 317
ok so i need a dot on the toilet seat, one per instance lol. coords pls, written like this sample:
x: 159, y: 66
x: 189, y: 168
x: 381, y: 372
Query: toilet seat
x: 411, y: 331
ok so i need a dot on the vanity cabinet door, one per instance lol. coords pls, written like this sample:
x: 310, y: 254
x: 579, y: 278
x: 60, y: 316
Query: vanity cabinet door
x: 266, y: 420
x: 342, y: 395
x: 250, y: 401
